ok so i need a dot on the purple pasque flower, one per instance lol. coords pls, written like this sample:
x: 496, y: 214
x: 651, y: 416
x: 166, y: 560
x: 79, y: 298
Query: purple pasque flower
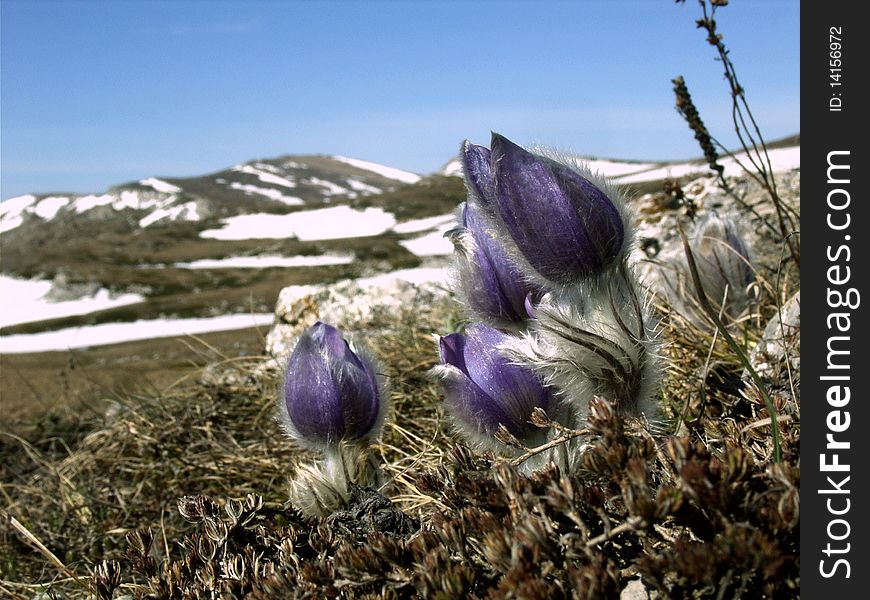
x: 723, y: 262
x: 563, y: 225
x: 490, y: 284
x: 483, y: 389
x: 331, y: 392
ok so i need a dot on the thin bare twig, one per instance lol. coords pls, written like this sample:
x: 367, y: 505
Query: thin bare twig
x: 630, y: 525
x: 551, y: 444
x: 744, y: 126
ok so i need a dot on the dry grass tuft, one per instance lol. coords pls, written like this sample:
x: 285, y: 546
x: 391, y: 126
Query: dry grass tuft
x: 81, y: 482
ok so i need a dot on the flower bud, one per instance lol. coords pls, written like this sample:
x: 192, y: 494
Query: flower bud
x: 562, y: 224
x: 723, y: 262
x: 483, y: 389
x: 489, y: 283
x: 331, y: 392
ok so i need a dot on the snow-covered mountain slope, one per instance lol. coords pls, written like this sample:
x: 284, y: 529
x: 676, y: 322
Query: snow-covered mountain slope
x: 781, y: 159
x: 225, y: 243
x: 632, y: 172
x: 265, y: 185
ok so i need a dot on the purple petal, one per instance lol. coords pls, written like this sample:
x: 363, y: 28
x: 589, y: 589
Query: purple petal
x: 475, y: 409
x: 360, y: 399
x: 356, y: 381
x: 453, y: 351
x: 330, y: 392
x: 312, y: 397
x: 563, y: 224
x: 478, y: 172
x: 495, y: 286
x: 334, y: 347
x: 733, y: 239
x: 512, y: 391
x: 720, y: 249
x: 529, y: 305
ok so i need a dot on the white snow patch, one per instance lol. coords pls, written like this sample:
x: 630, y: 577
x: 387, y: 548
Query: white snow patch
x: 270, y: 193
x: 416, y: 276
x: 781, y: 159
x: 615, y: 168
x: 136, y: 201
x: 160, y: 185
x: 90, y: 201
x: 114, y: 333
x: 384, y: 171
x: 322, y: 224
x: 8, y: 223
x: 16, y: 205
x: 425, y: 223
x: 365, y: 188
x: 265, y: 176
x: 331, y: 188
x: 431, y: 244
x: 675, y: 170
x: 292, y: 164
x: 267, y: 167
x: 454, y: 167
x: 186, y: 211
x: 48, y: 207
x: 265, y: 261
x: 12, y: 211
x: 130, y: 199
x: 23, y: 301
x: 283, y: 181
x: 127, y: 199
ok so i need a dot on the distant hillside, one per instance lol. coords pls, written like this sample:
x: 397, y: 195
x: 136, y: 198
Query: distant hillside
x: 221, y: 243
x: 226, y: 242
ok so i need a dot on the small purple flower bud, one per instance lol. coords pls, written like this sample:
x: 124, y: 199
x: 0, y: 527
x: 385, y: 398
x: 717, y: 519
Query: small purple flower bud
x: 484, y: 390
x: 331, y: 393
x: 562, y: 224
x: 490, y: 283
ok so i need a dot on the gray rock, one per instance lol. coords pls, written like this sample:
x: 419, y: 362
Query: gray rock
x: 347, y: 305
x: 780, y: 341
x: 636, y: 590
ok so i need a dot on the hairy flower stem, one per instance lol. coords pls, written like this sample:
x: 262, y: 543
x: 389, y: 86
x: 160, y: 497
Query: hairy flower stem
x: 711, y: 312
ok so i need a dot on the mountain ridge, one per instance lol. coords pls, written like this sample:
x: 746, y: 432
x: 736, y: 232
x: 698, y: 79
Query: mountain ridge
x: 227, y: 242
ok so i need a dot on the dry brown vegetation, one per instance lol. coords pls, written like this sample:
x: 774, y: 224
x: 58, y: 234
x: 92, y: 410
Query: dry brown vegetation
x: 693, y: 514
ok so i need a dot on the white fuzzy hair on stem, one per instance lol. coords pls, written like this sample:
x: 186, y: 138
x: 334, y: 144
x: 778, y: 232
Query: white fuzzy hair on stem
x: 596, y: 341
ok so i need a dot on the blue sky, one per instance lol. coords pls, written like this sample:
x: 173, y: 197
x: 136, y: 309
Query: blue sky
x: 99, y: 93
